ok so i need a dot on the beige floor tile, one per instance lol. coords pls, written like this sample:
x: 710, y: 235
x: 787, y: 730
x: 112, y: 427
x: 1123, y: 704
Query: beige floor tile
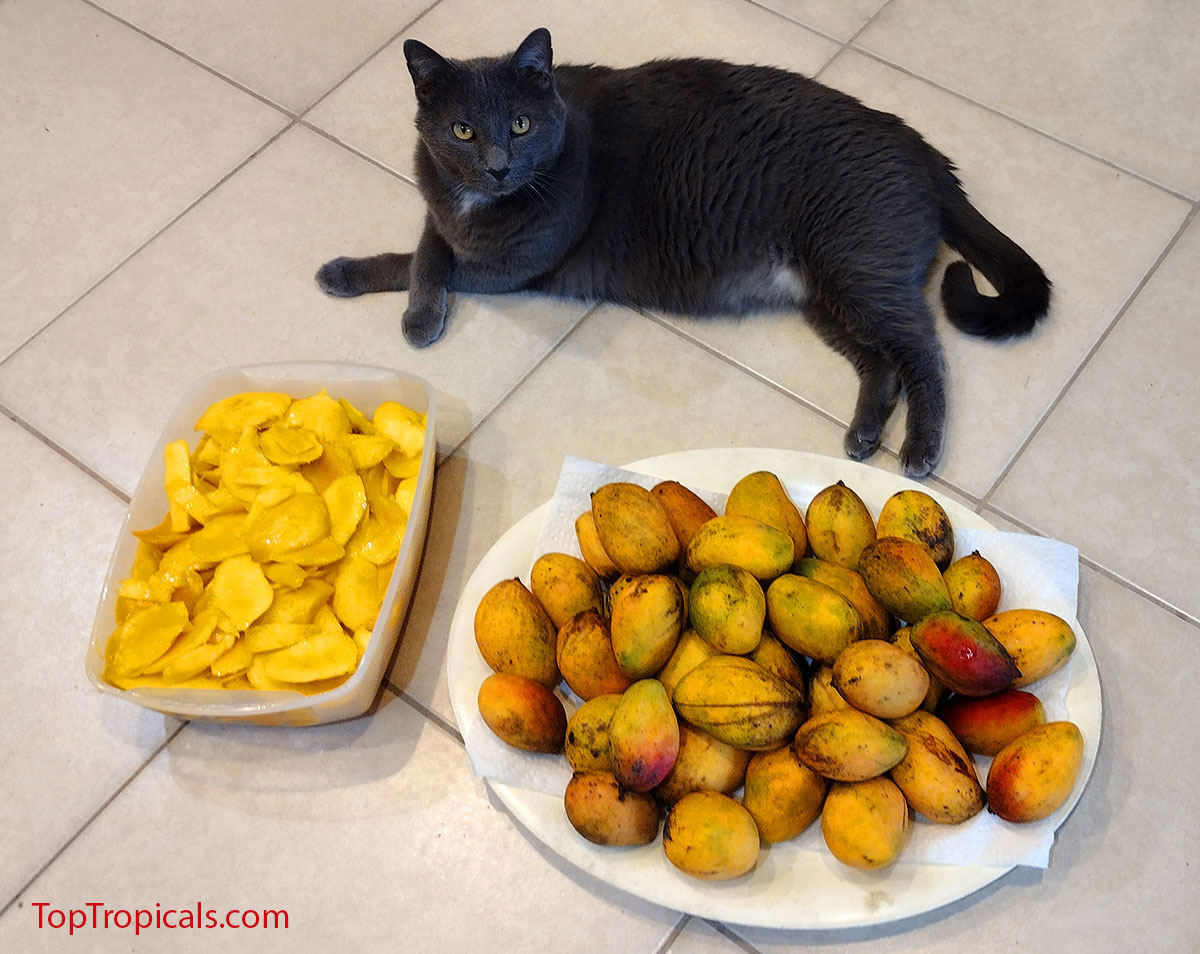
x: 106, y: 138
x: 371, y: 835
x: 1113, y: 470
x: 66, y: 747
x: 1054, y: 202
x: 374, y: 110
x: 700, y: 937
x: 621, y: 388
x: 232, y: 284
x: 1117, y: 79
x: 1119, y: 875
x: 287, y: 51
x: 839, y: 20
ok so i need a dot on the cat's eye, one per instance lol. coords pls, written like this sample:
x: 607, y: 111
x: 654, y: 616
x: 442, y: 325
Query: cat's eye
x: 520, y: 125
x: 464, y: 132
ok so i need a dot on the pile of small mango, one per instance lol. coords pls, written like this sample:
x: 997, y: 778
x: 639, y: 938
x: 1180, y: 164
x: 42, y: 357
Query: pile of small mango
x: 828, y: 664
x: 281, y: 534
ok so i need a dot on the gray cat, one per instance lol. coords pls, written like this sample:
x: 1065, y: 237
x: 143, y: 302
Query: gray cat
x: 700, y: 187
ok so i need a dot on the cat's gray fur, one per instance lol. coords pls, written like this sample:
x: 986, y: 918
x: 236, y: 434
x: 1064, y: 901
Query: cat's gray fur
x: 701, y: 187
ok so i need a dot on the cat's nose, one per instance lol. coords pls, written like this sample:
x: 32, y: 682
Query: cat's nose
x: 498, y: 174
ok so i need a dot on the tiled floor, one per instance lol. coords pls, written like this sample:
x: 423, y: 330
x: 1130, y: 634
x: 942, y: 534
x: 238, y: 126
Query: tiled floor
x: 172, y: 176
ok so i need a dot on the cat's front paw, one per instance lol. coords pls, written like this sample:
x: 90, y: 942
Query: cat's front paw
x: 862, y: 442
x: 339, y: 278
x: 423, y: 324
x: 920, y: 455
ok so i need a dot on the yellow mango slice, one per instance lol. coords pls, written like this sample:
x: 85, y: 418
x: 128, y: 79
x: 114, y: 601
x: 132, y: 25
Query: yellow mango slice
x: 356, y: 593
x: 238, y: 681
x: 219, y: 540
x: 358, y: 421
x: 161, y: 536
x: 362, y: 639
x: 143, y: 637
x: 196, y: 633
x: 195, y: 661
x: 125, y: 606
x: 298, y: 605
x: 154, y: 590
x: 334, y: 463
x: 145, y: 561
x: 406, y: 494
x: 242, y: 456
x: 258, y: 679
x: 346, y: 500
x: 190, y: 590
x: 241, y: 590
x: 228, y: 419
x: 404, y: 426
x: 234, y: 661
x: 297, y: 522
x: 177, y: 475
x: 288, y: 575
x: 367, y: 450
x: 321, y: 656
x: 321, y: 553
x: 265, y: 637
x: 400, y: 466
x: 282, y: 444
x: 320, y: 414
x: 326, y: 620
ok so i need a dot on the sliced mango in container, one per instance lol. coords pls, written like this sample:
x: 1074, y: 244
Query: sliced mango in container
x: 267, y: 637
x: 234, y: 661
x: 282, y: 444
x: 241, y: 590
x: 143, y: 637
x: 227, y: 419
x: 356, y: 598
x: 297, y: 522
x: 322, y: 656
x: 320, y: 414
x: 404, y: 426
x: 346, y: 500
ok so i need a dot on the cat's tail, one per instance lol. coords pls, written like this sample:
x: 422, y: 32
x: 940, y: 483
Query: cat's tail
x: 1023, y: 290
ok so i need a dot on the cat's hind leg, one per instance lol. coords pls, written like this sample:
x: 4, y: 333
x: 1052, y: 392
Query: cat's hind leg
x: 350, y: 277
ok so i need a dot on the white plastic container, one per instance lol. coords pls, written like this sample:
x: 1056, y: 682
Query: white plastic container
x: 364, y: 387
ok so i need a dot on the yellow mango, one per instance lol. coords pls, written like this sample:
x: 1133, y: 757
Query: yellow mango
x: 782, y: 794
x: 902, y: 576
x: 709, y: 835
x: 523, y: 713
x: 606, y: 813
x: 914, y: 515
x: 1034, y: 775
x: 740, y: 703
x: 776, y: 658
x: 936, y: 775
x: 813, y: 619
x: 514, y: 634
x: 643, y: 736
x: 822, y: 694
x: 1039, y: 642
x: 763, y: 496
x: 865, y: 824
x: 877, y: 621
x: 741, y: 541
x: 703, y: 764
x: 848, y: 746
x: 902, y: 639
x: 634, y: 528
x: 647, y: 619
x: 839, y: 526
x: 881, y: 679
x: 727, y: 607
x: 689, y: 652
x: 974, y: 586
x: 565, y: 585
x: 686, y: 511
x: 592, y: 549
x: 586, y: 743
x: 586, y: 659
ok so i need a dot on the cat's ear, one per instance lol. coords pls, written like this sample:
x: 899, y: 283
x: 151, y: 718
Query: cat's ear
x: 534, y: 58
x: 428, y: 68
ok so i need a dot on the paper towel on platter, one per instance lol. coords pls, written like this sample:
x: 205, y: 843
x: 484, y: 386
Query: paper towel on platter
x: 1036, y: 572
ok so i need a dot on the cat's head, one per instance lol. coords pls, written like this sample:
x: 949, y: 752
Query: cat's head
x: 489, y: 124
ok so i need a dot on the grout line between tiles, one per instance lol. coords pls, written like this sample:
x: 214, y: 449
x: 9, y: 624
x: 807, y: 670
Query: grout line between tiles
x: 673, y: 935
x: 729, y: 934
x: 191, y: 59
x: 1045, y: 134
x: 1104, y: 335
x: 65, y: 454
x: 528, y: 374
x: 96, y: 814
x: 117, y: 267
x: 1109, y: 574
x: 357, y: 152
x: 968, y: 497
x: 424, y: 710
x: 390, y: 40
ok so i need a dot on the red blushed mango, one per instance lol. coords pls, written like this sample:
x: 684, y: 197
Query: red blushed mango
x: 1034, y: 775
x: 963, y: 654
x: 643, y: 736
x: 523, y: 713
x: 986, y: 724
